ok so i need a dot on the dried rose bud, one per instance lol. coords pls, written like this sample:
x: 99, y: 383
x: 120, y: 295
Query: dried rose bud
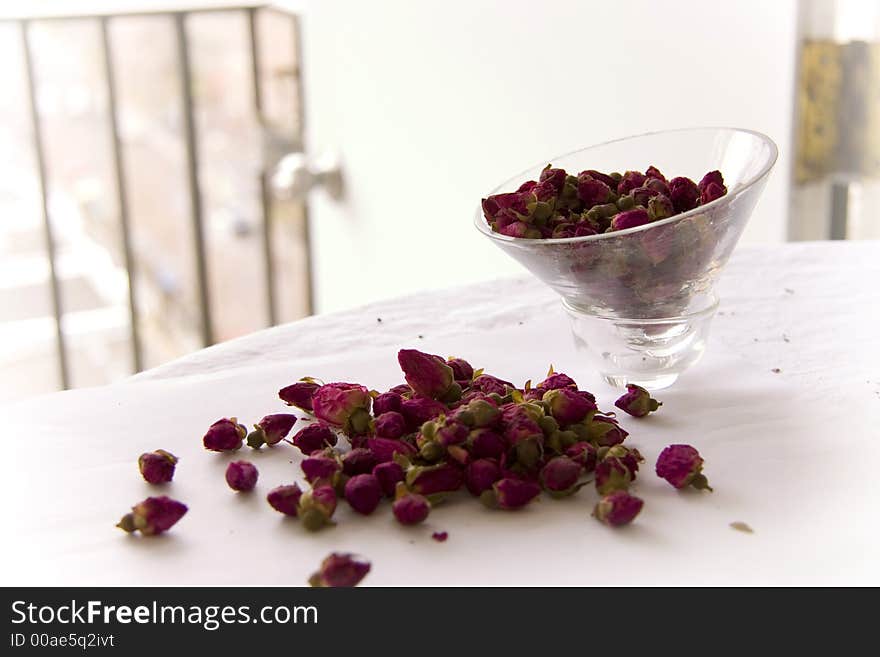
x: 521, y: 426
x: 618, y: 508
x: 434, y: 479
x: 611, y: 475
x: 363, y: 493
x: 451, y: 432
x: 657, y: 186
x: 630, y: 219
x: 563, y: 231
x: 285, y: 499
x: 555, y: 177
x: 389, y: 474
x: 583, y: 453
x: 654, y: 173
x: 340, y: 570
x: 527, y: 186
x: 410, y: 508
x: 157, y: 467
x: 390, y: 424
x: 480, y: 475
x: 427, y: 374
x: 343, y: 405
x: 629, y: 181
x: 478, y: 413
x: 511, y: 494
x: 489, y: 384
x: 597, y: 175
x: 313, y: 438
x: 299, y: 394
x: 709, y: 178
x: 419, y: 410
x: 225, y: 435
x: 605, y: 431
x: 557, y: 380
x: 153, y: 516
x: 584, y: 229
x: 521, y: 230
x: 560, y: 475
x: 682, y: 465
x: 567, y: 406
x: 271, y: 430
x: 712, y: 192
x: 316, y: 507
x: 684, y: 194
x: 241, y: 475
x: 592, y: 192
x: 440, y: 537
x: 387, y: 402
x: 485, y: 443
x: 320, y: 467
x: 660, y: 207
x: 358, y: 461
x: 637, y: 401
x: 461, y: 369
x: 384, y: 449
x: 515, y: 202
x: 630, y: 458
x: 641, y: 195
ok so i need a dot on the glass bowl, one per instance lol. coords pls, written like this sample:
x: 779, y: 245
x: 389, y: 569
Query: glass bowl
x: 641, y: 300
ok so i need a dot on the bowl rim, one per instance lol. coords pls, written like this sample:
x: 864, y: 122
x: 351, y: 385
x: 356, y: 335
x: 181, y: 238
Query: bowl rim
x: 483, y: 226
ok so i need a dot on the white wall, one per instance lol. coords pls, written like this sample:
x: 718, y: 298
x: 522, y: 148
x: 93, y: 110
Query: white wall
x: 432, y: 103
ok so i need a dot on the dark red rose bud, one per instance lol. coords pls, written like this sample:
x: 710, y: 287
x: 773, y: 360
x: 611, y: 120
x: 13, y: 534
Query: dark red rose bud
x: 299, y: 394
x: 592, y: 192
x: 434, y: 479
x: 560, y: 475
x: 313, y: 438
x: 461, y: 369
x: 340, y: 570
x: 597, y: 175
x: 629, y: 457
x: 584, y: 229
x: 358, y: 461
x: 630, y: 219
x: 682, y: 465
x: 567, y: 406
x: 320, y: 467
x: 711, y: 177
x: 410, y: 508
x: 343, y: 405
x: 637, y: 401
x: 555, y: 177
x: 384, y: 449
x: 657, y: 186
x: 225, y: 435
x: 527, y: 186
x: 153, y: 516
x: 511, y: 494
x: 390, y: 424
x: 271, y: 430
x: 451, y: 432
x: 285, y: 499
x: 363, y: 493
x: 419, y: 410
x: 605, y: 431
x: 712, y: 192
x: 241, y: 475
x: 630, y: 180
x: 403, y: 390
x: 583, y: 453
x: 480, y: 475
x: 641, y: 196
x: 684, y: 194
x: 489, y: 384
x: 514, y: 202
x: 618, y: 508
x: 660, y: 207
x: 316, y: 507
x: 557, y: 380
x: 389, y: 474
x: 520, y: 229
x: 387, y: 402
x: 486, y: 443
x: 427, y: 374
x: 157, y: 467
x: 653, y: 172
x: 611, y: 475
x: 440, y: 537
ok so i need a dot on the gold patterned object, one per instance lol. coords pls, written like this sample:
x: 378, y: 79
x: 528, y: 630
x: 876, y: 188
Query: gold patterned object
x: 838, y: 96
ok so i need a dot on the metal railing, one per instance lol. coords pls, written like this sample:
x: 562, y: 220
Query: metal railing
x: 191, y: 140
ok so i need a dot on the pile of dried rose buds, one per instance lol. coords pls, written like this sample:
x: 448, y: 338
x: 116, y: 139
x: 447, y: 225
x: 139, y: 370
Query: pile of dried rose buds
x: 561, y: 205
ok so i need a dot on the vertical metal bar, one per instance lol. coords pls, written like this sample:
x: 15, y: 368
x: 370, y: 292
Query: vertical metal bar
x: 121, y: 195
x: 839, y: 210
x: 262, y: 178
x: 40, y: 157
x: 300, y: 110
x: 192, y: 165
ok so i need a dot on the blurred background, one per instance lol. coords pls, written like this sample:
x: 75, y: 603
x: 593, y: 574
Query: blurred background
x: 174, y: 174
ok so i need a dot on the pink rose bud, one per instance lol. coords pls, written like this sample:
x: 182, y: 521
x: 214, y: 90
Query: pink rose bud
x: 560, y: 475
x: 637, y: 401
x: 225, y: 435
x: 434, y: 479
x: 584, y: 229
x: 712, y: 192
x: 618, y: 508
x: 419, y: 410
x: 153, y: 516
x: 612, y: 474
x: 363, y: 493
x: 682, y: 465
x: 313, y: 438
x: 316, y: 507
x: 387, y: 402
x: 567, y: 406
x: 515, y: 202
x: 592, y: 192
x: 241, y: 475
x: 480, y: 475
x: 343, y: 405
x: 427, y: 374
x: 410, y: 508
x: 320, y: 467
x: 157, y: 467
x: 660, y: 207
x: 604, y: 177
x: 555, y: 177
x: 557, y: 380
x: 461, y: 369
x: 384, y: 449
x: 271, y: 430
x: 630, y: 180
x: 605, y: 431
x: 285, y: 499
x: 527, y: 186
x: 491, y: 385
x: 358, y: 461
x: 451, y: 432
x: 340, y: 570
x: 653, y: 172
x: 390, y: 424
x: 564, y: 231
x: 630, y: 219
x: 521, y: 230
x: 403, y: 390
x: 299, y: 394
x: 389, y: 474
x: 486, y: 443
x: 684, y: 194
x: 710, y: 178
x: 630, y: 458
x: 511, y: 494
x: 583, y: 453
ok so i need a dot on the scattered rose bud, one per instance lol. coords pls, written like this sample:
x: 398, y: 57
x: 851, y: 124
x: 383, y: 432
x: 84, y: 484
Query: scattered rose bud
x: 560, y: 475
x: 440, y: 537
x: 511, y: 494
x: 299, y: 394
x: 428, y: 375
x: 419, y: 410
x: 410, y: 508
x: 557, y: 380
x: 340, y: 570
x: 583, y: 453
x: 358, y: 461
x: 225, y: 435
x: 387, y: 402
x: 153, y: 516
x: 637, y: 401
x: 618, y: 508
x: 461, y: 369
x: 157, y: 467
x: 313, y: 438
x: 489, y: 384
x: 241, y: 475
x: 384, y: 449
x: 606, y: 431
x: 316, y: 507
x: 612, y: 474
x: 682, y: 465
x: 343, y: 405
x: 485, y: 443
x: 480, y: 475
x: 285, y: 499
x: 630, y: 458
x: 320, y: 467
x: 363, y: 493
x: 271, y: 430
x: 435, y: 479
x: 389, y: 474
x: 390, y: 424
x: 567, y: 406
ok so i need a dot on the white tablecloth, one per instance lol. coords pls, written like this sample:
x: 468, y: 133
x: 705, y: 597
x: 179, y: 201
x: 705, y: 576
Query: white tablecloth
x: 793, y: 453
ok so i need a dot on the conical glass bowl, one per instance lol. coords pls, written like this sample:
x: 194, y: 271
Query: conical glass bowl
x: 641, y: 300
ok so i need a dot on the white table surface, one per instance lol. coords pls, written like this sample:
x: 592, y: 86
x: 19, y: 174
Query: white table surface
x: 794, y: 454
